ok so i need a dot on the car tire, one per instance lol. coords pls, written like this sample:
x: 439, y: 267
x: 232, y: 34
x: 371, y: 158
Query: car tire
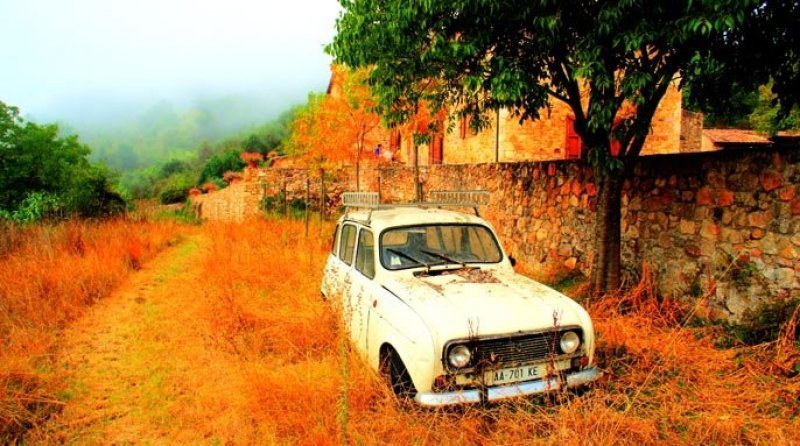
x: 397, y: 375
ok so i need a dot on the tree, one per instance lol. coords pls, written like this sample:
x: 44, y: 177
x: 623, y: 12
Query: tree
x: 338, y: 126
x: 768, y: 118
x: 598, y: 57
x: 43, y: 173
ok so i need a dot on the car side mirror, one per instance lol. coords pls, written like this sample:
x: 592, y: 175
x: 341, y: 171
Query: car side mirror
x: 512, y: 260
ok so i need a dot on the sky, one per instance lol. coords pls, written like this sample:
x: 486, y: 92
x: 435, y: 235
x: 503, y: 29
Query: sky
x: 64, y: 60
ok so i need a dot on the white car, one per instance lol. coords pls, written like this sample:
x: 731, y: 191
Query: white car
x: 432, y: 301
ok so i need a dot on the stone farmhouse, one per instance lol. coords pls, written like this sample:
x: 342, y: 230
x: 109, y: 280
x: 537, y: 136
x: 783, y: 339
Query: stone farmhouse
x: 552, y: 137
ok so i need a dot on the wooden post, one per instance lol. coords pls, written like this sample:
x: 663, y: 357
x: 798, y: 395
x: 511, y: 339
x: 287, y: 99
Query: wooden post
x: 417, y: 184
x: 322, y: 195
x: 263, y: 198
x: 497, y: 138
x: 285, y: 201
x: 308, y: 200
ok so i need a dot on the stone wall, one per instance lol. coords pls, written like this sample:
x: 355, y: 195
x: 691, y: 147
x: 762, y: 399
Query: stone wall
x: 244, y: 199
x: 721, y: 222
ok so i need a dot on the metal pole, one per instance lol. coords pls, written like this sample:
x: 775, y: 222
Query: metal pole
x: 263, y: 198
x: 285, y: 202
x: 308, y: 200
x: 379, y: 186
x: 497, y: 138
x: 322, y: 209
x: 417, y: 185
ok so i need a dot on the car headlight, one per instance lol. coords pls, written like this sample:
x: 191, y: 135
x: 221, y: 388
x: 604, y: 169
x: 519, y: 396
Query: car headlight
x: 459, y: 356
x: 569, y: 342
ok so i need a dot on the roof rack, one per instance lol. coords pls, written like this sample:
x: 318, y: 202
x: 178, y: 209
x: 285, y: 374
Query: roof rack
x: 468, y: 198
x: 438, y: 198
x: 360, y: 199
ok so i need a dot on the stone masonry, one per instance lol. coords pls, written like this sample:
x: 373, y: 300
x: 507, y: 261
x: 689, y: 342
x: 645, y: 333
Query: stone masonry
x: 723, y: 225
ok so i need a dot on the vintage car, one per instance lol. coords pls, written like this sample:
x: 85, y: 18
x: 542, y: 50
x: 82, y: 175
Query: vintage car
x: 432, y: 301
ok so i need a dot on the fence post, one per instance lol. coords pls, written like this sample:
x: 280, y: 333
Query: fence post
x: 417, y: 184
x: 263, y: 203
x: 285, y: 201
x: 308, y: 200
x: 379, y: 186
x: 322, y: 196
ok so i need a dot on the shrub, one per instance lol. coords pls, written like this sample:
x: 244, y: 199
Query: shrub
x: 763, y: 324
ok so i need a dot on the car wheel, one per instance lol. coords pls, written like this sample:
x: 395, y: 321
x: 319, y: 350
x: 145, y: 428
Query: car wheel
x: 395, y: 371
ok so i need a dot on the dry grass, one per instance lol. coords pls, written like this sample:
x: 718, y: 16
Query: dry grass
x: 663, y: 383
x: 252, y: 355
x: 49, y: 274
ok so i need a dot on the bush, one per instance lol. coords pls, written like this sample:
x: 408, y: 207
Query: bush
x: 216, y: 166
x: 760, y: 325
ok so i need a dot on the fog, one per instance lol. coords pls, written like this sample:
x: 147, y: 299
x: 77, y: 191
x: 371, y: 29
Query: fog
x: 99, y: 63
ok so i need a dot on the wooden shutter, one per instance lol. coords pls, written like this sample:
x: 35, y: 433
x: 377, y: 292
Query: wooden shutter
x: 394, y: 141
x: 436, y: 150
x: 573, y: 143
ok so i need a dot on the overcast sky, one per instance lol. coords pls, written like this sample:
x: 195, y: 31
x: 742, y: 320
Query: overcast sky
x: 57, y: 56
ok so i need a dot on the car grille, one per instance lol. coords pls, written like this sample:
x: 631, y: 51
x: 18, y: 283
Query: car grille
x: 519, y: 349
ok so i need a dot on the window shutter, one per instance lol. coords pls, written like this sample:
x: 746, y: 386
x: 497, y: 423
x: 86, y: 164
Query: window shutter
x: 436, y: 150
x: 573, y: 143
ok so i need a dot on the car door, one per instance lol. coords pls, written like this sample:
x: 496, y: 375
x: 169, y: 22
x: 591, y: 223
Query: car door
x: 363, y: 290
x: 338, y: 269
x: 331, y: 276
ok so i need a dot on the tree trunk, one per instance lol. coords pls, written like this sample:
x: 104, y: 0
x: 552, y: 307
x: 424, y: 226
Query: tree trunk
x: 607, y: 230
x: 358, y: 181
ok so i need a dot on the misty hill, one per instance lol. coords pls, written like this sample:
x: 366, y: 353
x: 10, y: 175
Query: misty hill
x: 148, y: 135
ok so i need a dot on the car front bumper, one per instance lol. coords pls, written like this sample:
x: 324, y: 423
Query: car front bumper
x: 497, y: 393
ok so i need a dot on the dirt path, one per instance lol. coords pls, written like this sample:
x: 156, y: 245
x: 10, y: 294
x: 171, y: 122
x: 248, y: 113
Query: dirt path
x: 131, y: 360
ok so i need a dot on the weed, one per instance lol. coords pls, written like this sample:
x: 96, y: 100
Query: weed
x: 293, y: 380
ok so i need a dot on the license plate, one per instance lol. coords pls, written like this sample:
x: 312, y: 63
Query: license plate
x: 513, y: 374
x: 522, y: 373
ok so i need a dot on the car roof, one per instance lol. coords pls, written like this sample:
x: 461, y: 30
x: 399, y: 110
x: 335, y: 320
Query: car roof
x: 394, y: 216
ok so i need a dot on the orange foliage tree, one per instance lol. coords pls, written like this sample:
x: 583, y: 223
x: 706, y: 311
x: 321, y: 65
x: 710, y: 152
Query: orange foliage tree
x: 335, y: 128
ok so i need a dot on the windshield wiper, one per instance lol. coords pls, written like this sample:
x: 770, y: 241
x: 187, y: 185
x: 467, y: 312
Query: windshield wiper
x: 443, y: 257
x: 408, y: 257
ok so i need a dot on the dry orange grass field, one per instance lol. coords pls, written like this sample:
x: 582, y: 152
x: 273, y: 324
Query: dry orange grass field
x: 242, y: 350
x: 49, y: 274
x: 663, y: 383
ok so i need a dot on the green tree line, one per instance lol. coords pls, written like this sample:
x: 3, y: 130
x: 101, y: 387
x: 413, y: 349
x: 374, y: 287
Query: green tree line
x: 44, y: 174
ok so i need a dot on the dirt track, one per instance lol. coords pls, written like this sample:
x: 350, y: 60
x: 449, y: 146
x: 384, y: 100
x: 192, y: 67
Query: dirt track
x: 131, y: 360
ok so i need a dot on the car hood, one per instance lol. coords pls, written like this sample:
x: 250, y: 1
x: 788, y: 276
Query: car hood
x: 481, y: 302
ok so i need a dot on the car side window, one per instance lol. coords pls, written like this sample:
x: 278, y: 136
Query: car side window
x: 365, y: 256
x: 347, y: 244
x: 335, y: 244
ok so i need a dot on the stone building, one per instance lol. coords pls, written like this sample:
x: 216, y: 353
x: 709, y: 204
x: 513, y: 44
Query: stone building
x: 551, y: 137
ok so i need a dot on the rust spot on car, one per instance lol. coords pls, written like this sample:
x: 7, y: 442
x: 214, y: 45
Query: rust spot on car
x: 475, y: 275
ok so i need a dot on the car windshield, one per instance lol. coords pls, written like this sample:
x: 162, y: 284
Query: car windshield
x: 415, y: 246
